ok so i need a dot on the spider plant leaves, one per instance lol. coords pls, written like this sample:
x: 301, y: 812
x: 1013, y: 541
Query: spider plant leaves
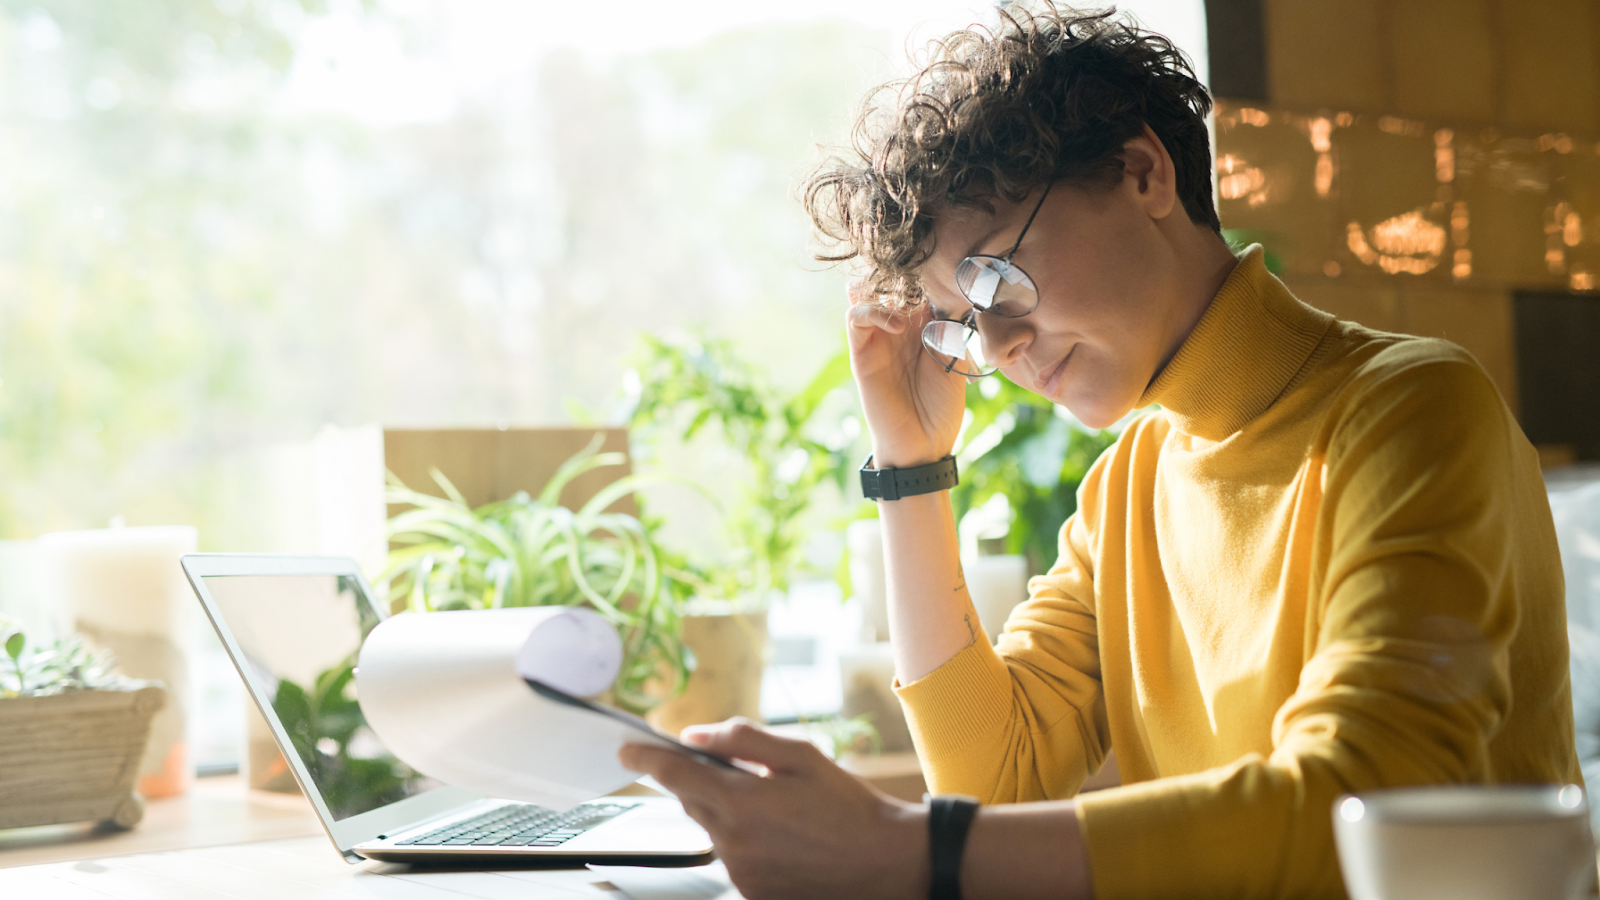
x: 531, y: 551
x: 445, y: 485
x: 630, y: 484
x: 584, y: 460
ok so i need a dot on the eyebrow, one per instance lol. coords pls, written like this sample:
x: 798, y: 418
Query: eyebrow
x: 978, y: 244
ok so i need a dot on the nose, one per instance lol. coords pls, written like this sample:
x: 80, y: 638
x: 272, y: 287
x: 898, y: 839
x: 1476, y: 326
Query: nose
x: 1003, y: 339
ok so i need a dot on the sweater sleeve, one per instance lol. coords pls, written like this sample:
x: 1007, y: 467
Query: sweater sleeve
x: 1027, y: 722
x: 1407, y: 681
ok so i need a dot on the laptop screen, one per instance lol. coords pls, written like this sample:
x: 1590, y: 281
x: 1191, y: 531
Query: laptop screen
x: 300, y: 635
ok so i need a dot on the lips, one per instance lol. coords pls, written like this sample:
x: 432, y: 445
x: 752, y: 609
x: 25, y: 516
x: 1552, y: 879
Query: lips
x: 1052, y: 378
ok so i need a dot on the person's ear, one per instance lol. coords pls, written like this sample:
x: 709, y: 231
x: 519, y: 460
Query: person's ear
x: 1147, y: 169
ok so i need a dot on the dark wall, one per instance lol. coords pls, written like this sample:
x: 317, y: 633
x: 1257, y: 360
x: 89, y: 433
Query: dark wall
x: 1558, y: 369
x: 1236, y: 38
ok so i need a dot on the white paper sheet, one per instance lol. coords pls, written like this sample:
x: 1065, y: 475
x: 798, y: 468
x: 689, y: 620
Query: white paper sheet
x: 645, y: 883
x: 445, y: 693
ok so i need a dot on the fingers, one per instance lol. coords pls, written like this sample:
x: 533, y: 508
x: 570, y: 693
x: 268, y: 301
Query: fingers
x: 678, y: 772
x: 666, y: 764
x: 866, y: 316
x: 740, y: 739
x: 858, y: 292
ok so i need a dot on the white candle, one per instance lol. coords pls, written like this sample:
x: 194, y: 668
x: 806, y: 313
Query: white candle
x: 123, y: 589
x: 997, y: 584
x: 23, y: 591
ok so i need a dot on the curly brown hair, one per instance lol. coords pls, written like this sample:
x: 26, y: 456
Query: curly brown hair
x: 1041, y: 97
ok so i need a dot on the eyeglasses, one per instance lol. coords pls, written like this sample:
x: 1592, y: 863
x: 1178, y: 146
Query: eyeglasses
x: 995, y: 286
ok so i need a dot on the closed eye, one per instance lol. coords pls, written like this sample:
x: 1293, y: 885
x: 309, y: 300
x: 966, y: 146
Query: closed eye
x: 940, y: 315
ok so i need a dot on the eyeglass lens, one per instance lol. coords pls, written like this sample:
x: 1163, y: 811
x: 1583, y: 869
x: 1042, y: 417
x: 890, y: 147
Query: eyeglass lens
x: 956, y: 346
x: 996, y: 286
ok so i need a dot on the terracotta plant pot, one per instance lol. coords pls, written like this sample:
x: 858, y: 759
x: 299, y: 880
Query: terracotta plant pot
x: 730, y: 653
x: 74, y: 757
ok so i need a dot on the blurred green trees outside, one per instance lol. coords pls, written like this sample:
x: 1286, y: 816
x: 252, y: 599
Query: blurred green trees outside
x: 192, y: 267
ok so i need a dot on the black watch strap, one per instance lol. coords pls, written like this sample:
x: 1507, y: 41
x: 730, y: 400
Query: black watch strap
x: 949, y: 817
x: 892, y: 484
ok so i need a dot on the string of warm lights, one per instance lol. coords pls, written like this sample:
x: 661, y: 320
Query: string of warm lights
x: 1259, y: 169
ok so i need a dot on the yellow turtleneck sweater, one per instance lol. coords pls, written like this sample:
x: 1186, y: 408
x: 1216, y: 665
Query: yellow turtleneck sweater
x: 1325, y: 565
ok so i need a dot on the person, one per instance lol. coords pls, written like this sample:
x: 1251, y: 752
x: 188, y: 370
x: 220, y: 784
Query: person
x: 1322, y: 562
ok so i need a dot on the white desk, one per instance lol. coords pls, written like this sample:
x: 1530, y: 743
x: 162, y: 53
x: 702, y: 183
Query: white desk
x: 296, y: 868
x: 172, y: 854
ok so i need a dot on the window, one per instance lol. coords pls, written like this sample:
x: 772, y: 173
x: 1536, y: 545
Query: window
x: 230, y: 222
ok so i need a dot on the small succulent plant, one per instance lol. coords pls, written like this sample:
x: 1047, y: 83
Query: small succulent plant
x: 55, y: 668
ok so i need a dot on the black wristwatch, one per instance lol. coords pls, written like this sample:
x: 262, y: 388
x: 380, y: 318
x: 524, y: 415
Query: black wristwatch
x: 949, y: 817
x: 892, y: 484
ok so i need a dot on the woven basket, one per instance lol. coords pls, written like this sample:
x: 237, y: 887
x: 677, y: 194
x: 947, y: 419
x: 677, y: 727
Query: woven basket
x: 74, y: 757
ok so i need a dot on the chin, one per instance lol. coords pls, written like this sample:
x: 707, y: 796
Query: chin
x: 1094, y: 412
x: 1095, y: 420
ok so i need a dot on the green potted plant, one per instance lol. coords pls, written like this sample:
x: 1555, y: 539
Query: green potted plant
x: 1021, y: 447
x: 685, y: 386
x: 532, y: 551
x: 74, y: 732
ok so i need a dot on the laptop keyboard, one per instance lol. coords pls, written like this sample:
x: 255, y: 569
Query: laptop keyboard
x: 520, y: 825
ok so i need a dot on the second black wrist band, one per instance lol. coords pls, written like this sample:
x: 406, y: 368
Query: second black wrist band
x: 949, y: 818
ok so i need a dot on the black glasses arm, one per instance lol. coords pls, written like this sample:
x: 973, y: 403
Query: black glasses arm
x: 1029, y: 224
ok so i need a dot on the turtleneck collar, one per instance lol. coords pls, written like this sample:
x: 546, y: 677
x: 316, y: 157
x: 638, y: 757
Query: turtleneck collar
x: 1248, y: 346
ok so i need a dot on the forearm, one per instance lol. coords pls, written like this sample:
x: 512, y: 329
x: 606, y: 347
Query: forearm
x: 931, y: 617
x: 1024, y: 851
x: 1026, y: 724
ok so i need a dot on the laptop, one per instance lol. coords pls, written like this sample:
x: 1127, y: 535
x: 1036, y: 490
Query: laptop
x: 293, y: 626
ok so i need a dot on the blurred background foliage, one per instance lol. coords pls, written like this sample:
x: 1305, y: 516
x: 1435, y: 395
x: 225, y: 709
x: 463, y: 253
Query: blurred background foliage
x: 194, y: 265
x: 117, y: 312
x: 1020, y: 447
x: 212, y: 242
x: 796, y: 449
x: 225, y: 224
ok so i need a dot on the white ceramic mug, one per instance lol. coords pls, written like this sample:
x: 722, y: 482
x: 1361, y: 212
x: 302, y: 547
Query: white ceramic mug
x: 1466, y: 842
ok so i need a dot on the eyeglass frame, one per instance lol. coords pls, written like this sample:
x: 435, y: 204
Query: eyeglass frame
x: 970, y: 320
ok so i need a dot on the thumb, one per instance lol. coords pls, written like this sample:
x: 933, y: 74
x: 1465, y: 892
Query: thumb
x: 740, y: 738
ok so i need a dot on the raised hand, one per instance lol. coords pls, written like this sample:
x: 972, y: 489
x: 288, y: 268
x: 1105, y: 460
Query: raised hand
x: 912, y: 405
